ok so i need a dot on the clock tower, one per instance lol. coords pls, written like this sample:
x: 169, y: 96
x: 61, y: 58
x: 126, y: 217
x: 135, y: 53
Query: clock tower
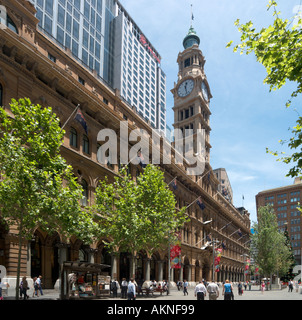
x: 192, y: 94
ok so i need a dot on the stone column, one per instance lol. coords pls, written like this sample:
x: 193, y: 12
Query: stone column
x: 147, y: 273
x: 181, y: 273
x: 132, y: 266
x: 160, y: 270
x: 113, y: 266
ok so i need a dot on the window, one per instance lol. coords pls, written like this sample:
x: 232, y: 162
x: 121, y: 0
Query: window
x: 187, y: 62
x: 11, y: 24
x: 82, y: 81
x: 73, y: 138
x: 84, y: 200
x: 85, y: 144
x: 51, y: 57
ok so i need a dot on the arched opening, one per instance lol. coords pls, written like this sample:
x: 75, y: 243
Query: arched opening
x: 186, y: 269
x: 124, y: 265
x: 140, y: 265
x: 106, y: 259
x: 36, y: 255
x: 84, y: 200
x: 197, y: 271
x: 3, y: 232
x: 153, y: 267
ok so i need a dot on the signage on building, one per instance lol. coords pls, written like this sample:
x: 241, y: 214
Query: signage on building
x: 144, y: 42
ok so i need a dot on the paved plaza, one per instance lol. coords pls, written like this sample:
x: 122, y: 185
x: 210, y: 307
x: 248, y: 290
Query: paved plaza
x: 175, y: 295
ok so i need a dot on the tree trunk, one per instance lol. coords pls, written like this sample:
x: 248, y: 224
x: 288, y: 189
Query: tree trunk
x: 19, y: 259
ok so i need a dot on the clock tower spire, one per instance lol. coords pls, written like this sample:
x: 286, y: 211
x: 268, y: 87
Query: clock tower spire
x: 192, y: 93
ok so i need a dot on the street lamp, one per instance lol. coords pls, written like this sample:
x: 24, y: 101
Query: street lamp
x: 207, y: 222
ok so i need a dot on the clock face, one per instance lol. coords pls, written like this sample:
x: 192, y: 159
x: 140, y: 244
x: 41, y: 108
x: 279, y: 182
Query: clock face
x: 185, y: 88
x: 204, y: 90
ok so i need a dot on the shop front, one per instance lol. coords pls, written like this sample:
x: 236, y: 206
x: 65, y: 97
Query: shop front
x: 83, y: 280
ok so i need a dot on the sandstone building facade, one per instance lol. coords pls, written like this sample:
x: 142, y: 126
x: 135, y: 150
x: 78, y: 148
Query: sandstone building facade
x: 34, y: 66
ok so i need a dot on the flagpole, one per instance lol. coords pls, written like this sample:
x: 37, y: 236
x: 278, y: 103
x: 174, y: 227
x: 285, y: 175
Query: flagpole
x: 171, y: 181
x: 234, y: 232
x: 75, y: 110
x: 203, y: 176
x: 192, y: 203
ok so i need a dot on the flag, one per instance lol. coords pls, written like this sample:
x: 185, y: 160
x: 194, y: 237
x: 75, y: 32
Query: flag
x: 200, y: 204
x: 174, y: 184
x: 80, y: 118
x: 141, y: 159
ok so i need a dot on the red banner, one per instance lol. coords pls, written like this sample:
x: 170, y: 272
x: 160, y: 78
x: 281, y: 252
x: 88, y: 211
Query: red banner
x: 217, y: 259
x: 175, y: 253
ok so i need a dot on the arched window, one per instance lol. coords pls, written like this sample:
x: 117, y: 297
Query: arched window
x: 11, y: 25
x: 73, y: 138
x: 84, y: 200
x: 85, y: 144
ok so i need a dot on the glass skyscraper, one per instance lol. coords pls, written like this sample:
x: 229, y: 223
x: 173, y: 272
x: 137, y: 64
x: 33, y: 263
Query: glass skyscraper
x: 104, y: 38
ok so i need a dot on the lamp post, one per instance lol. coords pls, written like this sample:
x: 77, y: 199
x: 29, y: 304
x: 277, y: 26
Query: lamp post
x: 244, y: 255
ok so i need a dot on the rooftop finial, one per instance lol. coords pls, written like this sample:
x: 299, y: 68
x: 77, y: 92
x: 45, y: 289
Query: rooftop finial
x: 192, y: 16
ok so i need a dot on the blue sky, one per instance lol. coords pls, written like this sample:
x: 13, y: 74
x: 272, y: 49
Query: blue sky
x: 246, y: 118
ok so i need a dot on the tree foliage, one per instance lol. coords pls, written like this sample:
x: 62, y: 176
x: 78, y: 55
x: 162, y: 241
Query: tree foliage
x: 37, y: 187
x: 278, y: 49
x: 138, y: 215
x: 270, y: 250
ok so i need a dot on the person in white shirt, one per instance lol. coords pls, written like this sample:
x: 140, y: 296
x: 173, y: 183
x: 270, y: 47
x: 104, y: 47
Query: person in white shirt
x: 124, y: 286
x: 131, y: 290
x: 200, y: 291
x: 213, y: 291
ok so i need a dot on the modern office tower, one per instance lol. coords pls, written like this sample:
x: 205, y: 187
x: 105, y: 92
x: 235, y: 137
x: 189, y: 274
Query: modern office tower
x: 104, y: 38
x: 137, y: 71
x: 285, y: 201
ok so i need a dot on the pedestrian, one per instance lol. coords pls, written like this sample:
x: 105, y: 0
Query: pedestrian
x: 200, y: 291
x: 213, y: 290
x: 124, y: 286
x: 227, y: 290
x: 290, y: 285
x: 262, y: 287
x: 296, y: 284
x: 185, y: 287
x: 24, y: 288
x: 131, y: 290
x: 39, y: 283
x: 250, y: 285
x: 240, y: 288
x: 178, y: 285
x: 114, y: 287
x: 245, y: 285
x: 35, y: 287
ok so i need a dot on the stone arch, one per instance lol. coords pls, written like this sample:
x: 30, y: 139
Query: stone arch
x: 186, y: 268
x: 141, y: 260
x: 154, y: 266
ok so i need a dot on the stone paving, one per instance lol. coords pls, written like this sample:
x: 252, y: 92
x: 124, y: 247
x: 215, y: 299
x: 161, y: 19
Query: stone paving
x: 175, y: 295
